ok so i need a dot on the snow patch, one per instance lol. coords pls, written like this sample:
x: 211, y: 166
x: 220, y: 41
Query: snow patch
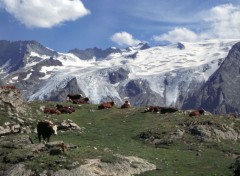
x: 28, y: 76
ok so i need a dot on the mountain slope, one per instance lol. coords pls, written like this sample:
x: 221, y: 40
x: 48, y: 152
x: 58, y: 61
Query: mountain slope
x: 15, y: 55
x: 161, y: 75
x: 221, y: 92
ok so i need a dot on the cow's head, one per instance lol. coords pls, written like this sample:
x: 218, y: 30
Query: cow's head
x: 147, y: 109
x: 201, y: 111
x: 54, y: 128
x: 86, y: 99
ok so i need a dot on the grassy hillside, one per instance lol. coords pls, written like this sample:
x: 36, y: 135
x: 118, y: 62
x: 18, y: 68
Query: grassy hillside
x: 131, y: 132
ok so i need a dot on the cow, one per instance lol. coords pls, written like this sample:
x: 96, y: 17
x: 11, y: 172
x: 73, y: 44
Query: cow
x: 159, y: 109
x: 71, y: 97
x: 51, y: 111
x: 45, y: 129
x: 106, y: 105
x: 197, y: 113
x: 126, y: 105
x: 164, y: 110
x: 71, y: 108
x: 13, y: 87
x: 153, y: 109
x: 65, y: 109
x: 80, y: 101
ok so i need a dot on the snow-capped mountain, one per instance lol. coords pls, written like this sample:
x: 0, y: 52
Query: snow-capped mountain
x: 161, y: 75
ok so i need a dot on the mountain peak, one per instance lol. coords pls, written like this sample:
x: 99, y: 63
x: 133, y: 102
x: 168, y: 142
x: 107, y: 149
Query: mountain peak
x: 140, y: 46
x: 95, y: 52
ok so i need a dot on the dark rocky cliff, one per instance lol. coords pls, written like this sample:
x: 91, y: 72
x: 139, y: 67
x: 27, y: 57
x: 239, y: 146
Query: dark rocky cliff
x: 221, y: 93
x: 14, y: 54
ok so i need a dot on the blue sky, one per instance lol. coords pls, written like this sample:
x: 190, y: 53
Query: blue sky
x: 66, y: 24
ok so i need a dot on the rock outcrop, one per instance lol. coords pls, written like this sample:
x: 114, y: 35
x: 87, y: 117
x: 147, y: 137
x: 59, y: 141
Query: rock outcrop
x: 11, y: 101
x: 129, y: 165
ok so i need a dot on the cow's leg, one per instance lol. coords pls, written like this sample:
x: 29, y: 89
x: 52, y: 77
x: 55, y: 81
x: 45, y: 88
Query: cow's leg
x: 39, y: 137
x: 44, y: 139
x: 48, y: 139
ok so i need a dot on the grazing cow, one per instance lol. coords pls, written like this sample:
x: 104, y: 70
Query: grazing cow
x: 153, y: 109
x: 45, y: 129
x: 196, y: 113
x: 106, y: 105
x: 159, y: 109
x: 81, y: 101
x: 71, y: 108
x: 71, y: 97
x: 51, y: 111
x: 126, y: 105
x: 168, y: 110
x: 64, y: 109
x: 9, y: 87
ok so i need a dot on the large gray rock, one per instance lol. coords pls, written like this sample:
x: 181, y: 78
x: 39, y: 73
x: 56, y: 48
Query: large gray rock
x: 212, y: 133
x: 129, y: 165
x: 18, y: 170
x: 11, y: 100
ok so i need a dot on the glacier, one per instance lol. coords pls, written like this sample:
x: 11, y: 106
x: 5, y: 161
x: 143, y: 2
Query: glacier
x: 168, y: 73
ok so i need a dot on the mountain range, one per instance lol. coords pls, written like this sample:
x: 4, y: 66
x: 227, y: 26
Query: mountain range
x: 184, y: 75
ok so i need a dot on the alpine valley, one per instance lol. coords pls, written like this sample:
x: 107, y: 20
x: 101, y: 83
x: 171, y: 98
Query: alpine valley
x: 184, y: 75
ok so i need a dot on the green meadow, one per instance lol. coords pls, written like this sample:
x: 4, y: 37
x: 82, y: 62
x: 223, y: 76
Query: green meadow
x: 125, y: 131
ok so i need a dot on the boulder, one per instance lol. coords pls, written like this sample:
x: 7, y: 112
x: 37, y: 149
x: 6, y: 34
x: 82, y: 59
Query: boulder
x: 18, y: 170
x: 127, y: 166
x: 213, y: 133
x: 11, y: 100
x: 68, y: 125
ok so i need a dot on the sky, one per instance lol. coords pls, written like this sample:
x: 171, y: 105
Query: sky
x: 63, y: 25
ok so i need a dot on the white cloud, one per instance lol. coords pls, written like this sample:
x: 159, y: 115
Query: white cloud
x: 44, y: 13
x: 178, y: 35
x: 224, y: 21
x: 124, y: 38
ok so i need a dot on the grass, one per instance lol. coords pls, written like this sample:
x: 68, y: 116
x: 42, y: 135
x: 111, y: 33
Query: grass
x: 116, y: 131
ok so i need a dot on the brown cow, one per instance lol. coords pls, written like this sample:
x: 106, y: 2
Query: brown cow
x: 106, y: 105
x: 196, y: 113
x: 126, y: 105
x: 65, y: 109
x: 45, y: 129
x: 51, y: 111
x: 81, y: 101
x: 9, y: 87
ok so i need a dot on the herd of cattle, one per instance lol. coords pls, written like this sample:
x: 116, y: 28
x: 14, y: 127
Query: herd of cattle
x: 79, y: 99
x: 46, y: 128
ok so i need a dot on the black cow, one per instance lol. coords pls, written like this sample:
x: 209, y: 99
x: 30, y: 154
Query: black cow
x: 160, y: 109
x: 45, y: 129
x: 168, y: 110
x: 153, y: 109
